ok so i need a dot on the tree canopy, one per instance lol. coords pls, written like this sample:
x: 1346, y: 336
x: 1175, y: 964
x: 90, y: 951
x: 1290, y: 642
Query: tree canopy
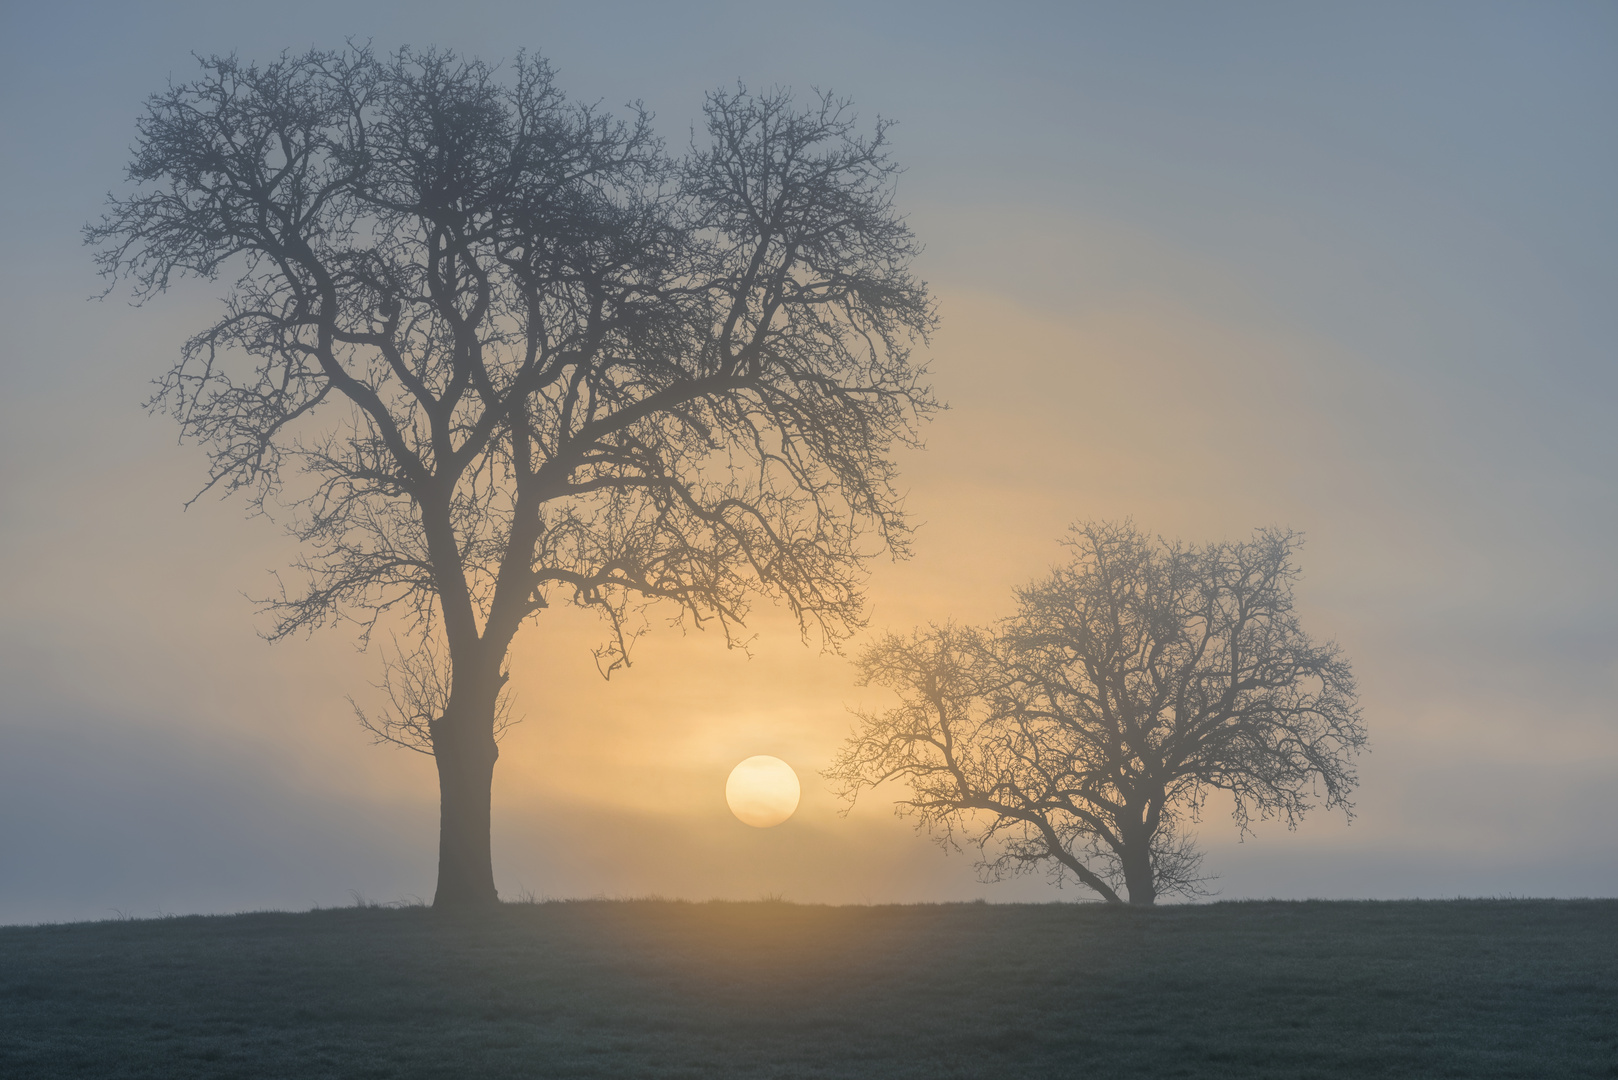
x: 483, y: 347
x: 1086, y: 732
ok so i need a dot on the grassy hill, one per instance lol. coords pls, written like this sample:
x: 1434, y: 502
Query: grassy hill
x: 667, y: 989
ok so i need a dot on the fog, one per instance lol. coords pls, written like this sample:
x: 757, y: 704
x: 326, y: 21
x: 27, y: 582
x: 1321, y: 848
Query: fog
x: 1209, y: 269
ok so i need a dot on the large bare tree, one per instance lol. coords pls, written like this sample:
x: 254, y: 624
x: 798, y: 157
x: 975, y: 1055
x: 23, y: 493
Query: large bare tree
x: 1086, y: 732
x: 484, y: 348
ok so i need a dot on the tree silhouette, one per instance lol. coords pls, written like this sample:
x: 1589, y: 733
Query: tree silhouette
x: 484, y: 348
x: 1087, y: 730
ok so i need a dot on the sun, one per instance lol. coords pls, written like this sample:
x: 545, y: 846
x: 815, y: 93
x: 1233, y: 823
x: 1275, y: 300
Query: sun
x: 762, y: 791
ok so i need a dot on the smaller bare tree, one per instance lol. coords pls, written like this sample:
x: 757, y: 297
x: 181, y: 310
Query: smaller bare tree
x: 1086, y: 732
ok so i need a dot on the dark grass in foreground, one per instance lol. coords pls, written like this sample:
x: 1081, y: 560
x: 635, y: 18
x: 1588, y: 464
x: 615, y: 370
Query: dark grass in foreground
x: 651, y: 988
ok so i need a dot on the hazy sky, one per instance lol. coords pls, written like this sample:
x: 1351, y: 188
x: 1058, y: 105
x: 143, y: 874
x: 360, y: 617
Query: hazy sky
x: 1350, y: 269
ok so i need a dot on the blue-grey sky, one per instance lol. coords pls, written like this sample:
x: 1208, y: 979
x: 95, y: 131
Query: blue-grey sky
x: 1348, y: 268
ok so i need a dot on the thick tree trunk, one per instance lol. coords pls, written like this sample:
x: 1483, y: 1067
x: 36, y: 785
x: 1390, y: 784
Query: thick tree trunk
x: 465, y: 781
x: 1139, y: 880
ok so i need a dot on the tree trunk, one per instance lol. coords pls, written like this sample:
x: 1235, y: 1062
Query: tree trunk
x: 1138, y: 877
x: 465, y: 756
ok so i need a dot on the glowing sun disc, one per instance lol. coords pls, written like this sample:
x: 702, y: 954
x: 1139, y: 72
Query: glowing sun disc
x: 762, y: 791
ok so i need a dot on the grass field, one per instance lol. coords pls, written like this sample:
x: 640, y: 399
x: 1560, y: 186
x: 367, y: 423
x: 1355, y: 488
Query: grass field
x: 666, y: 989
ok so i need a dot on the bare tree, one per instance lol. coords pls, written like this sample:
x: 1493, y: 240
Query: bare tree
x: 1086, y: 732
x: 483, y: 348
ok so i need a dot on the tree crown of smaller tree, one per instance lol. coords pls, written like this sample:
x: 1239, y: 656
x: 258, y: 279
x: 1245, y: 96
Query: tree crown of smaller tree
x: 1084, y: 732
